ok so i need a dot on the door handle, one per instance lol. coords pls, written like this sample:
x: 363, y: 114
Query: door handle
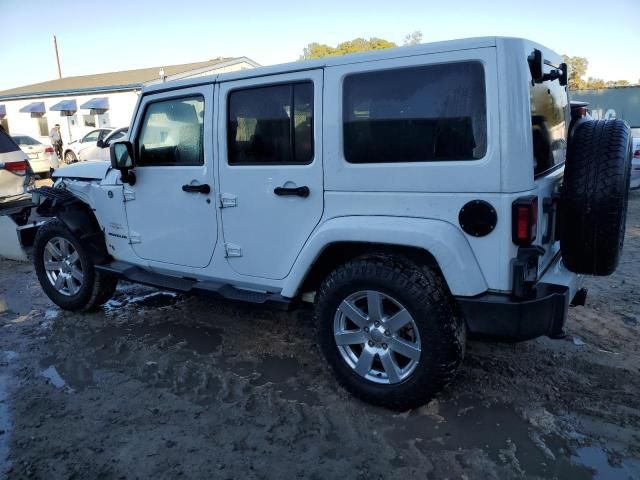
x: 202, y: 188
x: 298, y: 191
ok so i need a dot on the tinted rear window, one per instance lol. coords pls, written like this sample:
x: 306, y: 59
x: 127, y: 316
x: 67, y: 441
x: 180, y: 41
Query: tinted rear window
x: 7, y: 144
x: 417, y: 114
x: 24, y: 140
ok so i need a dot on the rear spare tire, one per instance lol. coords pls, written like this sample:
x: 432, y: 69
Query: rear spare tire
x: 594, y: 196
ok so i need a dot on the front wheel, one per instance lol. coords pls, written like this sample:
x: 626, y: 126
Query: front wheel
x: 66, y: 272
x: 388, y: 329
x: 70, y: 157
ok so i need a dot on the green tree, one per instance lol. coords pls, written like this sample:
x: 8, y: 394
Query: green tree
x: 413, y: 38
x: 618, y: 83
x: 577, y: 70
x: 320, y: 50
x: 595, y: 83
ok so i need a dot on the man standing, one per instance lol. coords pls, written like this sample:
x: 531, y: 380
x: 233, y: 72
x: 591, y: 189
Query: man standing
x: 56, y: 140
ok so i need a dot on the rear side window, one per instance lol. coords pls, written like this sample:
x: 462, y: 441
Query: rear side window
x: 7, y: 144
x: 271, y: 125
x: 417, y: 114
x: 549, y: 122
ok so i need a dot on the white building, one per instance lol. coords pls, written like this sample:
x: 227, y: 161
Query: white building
x: 80, y: 104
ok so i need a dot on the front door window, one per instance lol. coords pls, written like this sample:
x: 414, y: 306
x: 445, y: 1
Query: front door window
x: 172, y: 133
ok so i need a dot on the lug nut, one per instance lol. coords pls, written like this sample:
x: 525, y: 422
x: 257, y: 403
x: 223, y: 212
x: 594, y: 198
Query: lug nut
x: 387, y: 333
x: 377, y: 324
x: 384, y: 345
x: 366, y: 329
x: 370, y: 343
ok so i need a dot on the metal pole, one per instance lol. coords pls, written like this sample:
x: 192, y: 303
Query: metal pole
x: 55, y: 46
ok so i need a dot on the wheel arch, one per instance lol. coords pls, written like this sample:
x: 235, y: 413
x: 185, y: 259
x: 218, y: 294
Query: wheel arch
x: 81, y: 221
x: 435, y: 243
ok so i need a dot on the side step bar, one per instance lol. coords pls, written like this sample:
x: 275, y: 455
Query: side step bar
x: 189, y: 285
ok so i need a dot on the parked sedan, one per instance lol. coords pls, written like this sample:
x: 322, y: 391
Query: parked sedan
x: 101, y: 149
x: 635, y: 164
x: 74, y: 150
x: 42, y: 158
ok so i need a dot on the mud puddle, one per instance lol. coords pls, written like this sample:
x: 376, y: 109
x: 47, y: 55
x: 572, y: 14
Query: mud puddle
x: 281, y: 373
x: 495, y: 429
x: 597, y: 459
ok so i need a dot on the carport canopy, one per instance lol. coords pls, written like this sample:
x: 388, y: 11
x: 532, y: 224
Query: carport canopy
x: 34, y: 107
x: 65, y: 106
x: 99, y: 103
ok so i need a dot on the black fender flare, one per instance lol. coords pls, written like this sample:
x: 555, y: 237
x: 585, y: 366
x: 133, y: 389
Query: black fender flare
x: 79, y: 218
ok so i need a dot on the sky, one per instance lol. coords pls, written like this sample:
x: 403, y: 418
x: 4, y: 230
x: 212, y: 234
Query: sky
x: 96, y: 37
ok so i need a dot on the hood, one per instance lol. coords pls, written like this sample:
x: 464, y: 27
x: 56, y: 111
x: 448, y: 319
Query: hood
x: 91, y: 170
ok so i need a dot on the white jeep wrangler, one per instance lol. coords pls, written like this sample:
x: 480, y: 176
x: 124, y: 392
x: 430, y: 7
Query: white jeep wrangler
x: 413, y: 194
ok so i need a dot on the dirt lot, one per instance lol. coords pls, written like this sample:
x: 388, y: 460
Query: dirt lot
x: 164, y: 386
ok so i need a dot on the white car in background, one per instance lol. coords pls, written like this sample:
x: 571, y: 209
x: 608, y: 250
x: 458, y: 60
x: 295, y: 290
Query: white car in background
x: 74, y: 151
x: 16, y: 178
x: 42, y: 158
x: 100, y: 151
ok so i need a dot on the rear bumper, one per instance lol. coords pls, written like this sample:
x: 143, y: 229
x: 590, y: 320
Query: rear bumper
x: 40, y: 165
x: 542, y: 312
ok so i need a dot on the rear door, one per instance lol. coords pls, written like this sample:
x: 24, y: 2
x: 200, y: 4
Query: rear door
x: 270, y: 169
x: 88, y: 143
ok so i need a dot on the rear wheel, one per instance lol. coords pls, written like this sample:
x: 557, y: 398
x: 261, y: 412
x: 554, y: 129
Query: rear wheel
x: 66, y: 272
x: 388, y: 329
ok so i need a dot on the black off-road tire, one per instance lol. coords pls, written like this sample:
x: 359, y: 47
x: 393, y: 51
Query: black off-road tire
x: 97, y: 287
x: 594, y: 196
x: 425, y: 296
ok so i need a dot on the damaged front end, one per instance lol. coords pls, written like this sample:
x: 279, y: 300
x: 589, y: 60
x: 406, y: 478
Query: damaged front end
x: 75, y: 214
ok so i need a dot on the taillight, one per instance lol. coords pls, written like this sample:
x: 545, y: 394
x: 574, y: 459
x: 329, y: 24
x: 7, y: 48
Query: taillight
x: 524, y: 220
x: 49, y: 150
x: 19, y: 168
x: 636, y: 153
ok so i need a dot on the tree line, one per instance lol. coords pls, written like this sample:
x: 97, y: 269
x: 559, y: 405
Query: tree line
x: 577, y: 65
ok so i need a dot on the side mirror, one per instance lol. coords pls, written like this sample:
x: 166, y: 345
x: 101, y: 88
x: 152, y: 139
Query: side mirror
x: 536, y: 66
x: 122, y: 159
x: 564, y: 74
x: 100, y: 144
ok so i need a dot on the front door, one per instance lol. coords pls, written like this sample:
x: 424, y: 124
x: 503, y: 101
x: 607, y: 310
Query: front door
x: 270, y: 169
x: 170, y: 208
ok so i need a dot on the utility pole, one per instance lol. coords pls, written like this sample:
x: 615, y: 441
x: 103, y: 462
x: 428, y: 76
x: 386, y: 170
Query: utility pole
x: 55, y: 46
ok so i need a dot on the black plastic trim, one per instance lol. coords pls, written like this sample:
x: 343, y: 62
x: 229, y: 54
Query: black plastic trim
x: 504, y: 317
x: 189, y: 285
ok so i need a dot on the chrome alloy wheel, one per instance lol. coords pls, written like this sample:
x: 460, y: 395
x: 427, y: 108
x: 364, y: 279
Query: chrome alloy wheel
x: 63, y: 266
x: 377, y: 337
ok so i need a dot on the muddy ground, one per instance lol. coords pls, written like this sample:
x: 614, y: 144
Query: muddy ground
x: 159, y: 385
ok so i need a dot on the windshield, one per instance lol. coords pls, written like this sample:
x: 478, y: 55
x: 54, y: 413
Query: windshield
x: 549, y: 121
